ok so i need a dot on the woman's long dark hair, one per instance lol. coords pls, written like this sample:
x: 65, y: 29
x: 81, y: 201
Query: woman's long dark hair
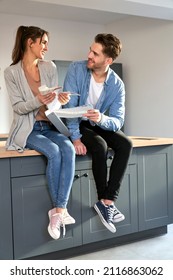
x: 22, y: 35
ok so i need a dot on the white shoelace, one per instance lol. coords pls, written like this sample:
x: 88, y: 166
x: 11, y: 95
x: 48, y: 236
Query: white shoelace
x: 110, y: 213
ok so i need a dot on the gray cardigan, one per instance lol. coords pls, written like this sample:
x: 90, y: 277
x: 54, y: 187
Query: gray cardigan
x: 25, y: 105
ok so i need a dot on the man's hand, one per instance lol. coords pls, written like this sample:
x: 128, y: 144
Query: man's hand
x: 93, y: 115
x: 79, y: 147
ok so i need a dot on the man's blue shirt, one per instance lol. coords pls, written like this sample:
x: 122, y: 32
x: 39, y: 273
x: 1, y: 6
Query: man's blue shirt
x: 111, y: 103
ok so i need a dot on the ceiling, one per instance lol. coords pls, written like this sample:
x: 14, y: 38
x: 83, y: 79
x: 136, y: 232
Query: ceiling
x: 92, y: 11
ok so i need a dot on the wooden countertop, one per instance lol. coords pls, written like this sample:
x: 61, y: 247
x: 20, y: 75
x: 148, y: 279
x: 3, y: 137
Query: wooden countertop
x: 3, y: 136
x: 9, y: 154
x: 138, y: 141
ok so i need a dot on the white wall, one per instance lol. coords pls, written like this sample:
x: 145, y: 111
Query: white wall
x: 146, y: 57
x: 68, y: 41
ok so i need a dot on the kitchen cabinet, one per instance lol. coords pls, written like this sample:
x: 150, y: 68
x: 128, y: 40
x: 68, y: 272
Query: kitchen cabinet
x: 146, y: 196
x: 92, y: 228
x: 155, y: 187
x: 6, y: 241
x: 30, y: 205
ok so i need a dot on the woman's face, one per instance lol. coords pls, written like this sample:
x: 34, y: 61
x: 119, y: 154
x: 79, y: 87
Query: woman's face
x: 39, y: 48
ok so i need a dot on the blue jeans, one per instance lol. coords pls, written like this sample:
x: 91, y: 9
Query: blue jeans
x: 60, y: 154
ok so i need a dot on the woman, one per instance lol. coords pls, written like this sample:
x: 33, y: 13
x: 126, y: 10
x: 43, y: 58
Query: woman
x: 31, y: 128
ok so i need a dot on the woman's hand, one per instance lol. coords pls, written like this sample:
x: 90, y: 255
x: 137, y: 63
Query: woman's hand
x: 64, y: 97
x: 46, y: 98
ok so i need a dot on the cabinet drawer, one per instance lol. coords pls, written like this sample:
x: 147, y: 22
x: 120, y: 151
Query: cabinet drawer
x: 36, y: 165
x: 25, y: 166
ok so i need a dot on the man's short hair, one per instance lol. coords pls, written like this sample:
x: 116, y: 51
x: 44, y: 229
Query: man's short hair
x: 110, y: 43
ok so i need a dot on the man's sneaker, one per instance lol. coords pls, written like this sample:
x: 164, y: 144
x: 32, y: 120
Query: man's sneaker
x: 105, y: 213
x: 117, y: 215
x: 56, y: 221
x: 66, y: 216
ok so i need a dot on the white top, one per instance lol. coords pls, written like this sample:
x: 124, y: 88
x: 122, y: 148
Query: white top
x: 95, y: 90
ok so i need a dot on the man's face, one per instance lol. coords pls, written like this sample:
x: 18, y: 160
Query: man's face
x: 96, y: 58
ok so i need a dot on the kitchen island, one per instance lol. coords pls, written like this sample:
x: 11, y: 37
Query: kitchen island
x: 146, y: 199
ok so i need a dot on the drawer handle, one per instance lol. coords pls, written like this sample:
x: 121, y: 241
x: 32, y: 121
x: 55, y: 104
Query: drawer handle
x: 110, y: 157
x: 77, y: 176
x: 85, y: 175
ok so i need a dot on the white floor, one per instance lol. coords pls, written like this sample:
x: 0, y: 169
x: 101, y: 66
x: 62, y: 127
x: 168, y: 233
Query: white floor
x: 157, y: 248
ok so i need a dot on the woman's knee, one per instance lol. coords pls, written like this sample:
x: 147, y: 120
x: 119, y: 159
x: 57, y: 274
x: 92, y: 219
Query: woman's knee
x: 68, y: 148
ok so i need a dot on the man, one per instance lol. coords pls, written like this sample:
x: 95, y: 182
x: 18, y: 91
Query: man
x: 99, y: 86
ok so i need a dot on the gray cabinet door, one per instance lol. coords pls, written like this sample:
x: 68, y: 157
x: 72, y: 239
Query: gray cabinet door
x: 62, y: 67
x: 31, y: 202
x: 6, y: 246
x: 93, y: 229
x: 155, y: 186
